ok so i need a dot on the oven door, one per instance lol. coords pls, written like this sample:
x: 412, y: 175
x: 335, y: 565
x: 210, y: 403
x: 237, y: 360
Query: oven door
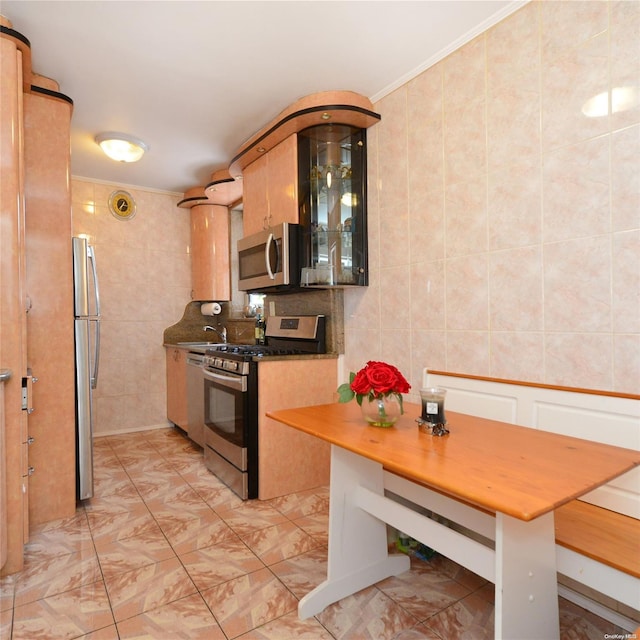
x: 225, y: 399
x: 231, y: 429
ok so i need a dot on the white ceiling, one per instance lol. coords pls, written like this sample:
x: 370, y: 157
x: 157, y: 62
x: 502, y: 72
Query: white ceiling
x: 195, y: 79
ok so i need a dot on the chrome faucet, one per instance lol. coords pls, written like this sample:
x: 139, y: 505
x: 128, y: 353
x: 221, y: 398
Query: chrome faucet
x: 221, y: 332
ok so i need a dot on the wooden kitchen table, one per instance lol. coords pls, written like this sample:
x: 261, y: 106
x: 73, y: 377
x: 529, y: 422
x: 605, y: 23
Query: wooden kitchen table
x: 498, y: 480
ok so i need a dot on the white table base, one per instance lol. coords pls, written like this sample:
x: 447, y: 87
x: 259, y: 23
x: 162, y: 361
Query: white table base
x: 522, y: 566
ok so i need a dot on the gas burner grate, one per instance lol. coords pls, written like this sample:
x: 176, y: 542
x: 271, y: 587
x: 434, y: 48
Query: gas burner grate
x: 253, y: 350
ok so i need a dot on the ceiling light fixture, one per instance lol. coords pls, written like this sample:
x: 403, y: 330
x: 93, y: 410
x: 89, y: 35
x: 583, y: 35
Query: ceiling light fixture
x: 121, y: 147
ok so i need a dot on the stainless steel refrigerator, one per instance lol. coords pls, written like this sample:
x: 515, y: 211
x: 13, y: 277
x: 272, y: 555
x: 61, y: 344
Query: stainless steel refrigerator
x: 87, y: 346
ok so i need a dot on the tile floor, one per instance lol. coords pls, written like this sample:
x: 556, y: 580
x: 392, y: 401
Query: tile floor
x: 165, y: 551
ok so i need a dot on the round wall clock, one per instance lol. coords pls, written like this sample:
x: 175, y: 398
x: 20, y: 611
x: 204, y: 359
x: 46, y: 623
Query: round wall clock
x: 122, y: 205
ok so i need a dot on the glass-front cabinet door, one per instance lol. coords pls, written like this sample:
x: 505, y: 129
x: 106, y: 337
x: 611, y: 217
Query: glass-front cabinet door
x: 332, y: 176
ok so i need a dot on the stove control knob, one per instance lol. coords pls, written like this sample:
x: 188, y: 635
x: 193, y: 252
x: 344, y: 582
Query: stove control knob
x: 219, y: 362
x: 231, y: 366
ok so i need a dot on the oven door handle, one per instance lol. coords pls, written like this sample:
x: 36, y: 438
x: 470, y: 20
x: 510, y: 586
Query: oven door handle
x: 231, y: 381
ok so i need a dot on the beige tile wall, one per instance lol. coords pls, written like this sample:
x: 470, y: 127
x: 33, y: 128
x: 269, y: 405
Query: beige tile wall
x: 505, y: 224
x: 145, y: 282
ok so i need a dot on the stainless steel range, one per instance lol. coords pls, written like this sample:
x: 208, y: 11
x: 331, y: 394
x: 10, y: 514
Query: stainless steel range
x: 231, y: 397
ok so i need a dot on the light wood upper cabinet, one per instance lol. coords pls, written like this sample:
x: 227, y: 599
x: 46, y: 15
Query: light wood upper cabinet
x: 270, y: 191
x: 210, y: 252
x: 282, y: 171
x: 255, y: 203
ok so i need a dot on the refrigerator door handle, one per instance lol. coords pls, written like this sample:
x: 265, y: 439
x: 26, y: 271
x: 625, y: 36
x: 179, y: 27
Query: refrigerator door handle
x: 96, y: 291
x: 96, y: 359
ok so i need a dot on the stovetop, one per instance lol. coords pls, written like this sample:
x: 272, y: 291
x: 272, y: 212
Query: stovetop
x: 249, y: 351
x: 285, y: 335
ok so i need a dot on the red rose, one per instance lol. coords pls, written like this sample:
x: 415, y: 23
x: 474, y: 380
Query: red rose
x: 379, y: 378
x: 361, y: 384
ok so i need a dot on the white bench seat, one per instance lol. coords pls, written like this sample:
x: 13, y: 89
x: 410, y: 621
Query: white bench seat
x: 597, y: 536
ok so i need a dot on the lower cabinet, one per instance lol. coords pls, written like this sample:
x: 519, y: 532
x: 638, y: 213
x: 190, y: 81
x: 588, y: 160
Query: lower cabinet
x: 177, y: 386
x: 289, y: 460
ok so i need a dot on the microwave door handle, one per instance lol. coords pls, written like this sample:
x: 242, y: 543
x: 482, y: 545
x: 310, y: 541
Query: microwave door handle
x: 267, y: 249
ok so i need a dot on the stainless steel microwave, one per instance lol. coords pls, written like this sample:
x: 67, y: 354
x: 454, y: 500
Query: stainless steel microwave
x: 269, y: 259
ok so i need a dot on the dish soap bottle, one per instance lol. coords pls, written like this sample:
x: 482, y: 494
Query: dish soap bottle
x: 259, y: 330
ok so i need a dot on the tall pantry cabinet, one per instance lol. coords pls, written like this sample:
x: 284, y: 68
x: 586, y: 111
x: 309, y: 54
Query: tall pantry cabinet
x: 36, y: 308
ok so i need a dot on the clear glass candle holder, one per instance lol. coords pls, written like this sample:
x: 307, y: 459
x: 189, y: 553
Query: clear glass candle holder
x: 433, y: 419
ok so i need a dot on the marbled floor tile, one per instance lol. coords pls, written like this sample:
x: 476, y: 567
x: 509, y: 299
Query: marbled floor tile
x: 248, y: 602
x: 102, y: 443
x: 419, y: 632
x: 138, y: 464
x: 171, y: 437
x: 118, y: 556
x: 217, y: 495
x: 176, y: 446
x: 578, y: 624
x: 59, y: 537
x: 146, y: 588
x: 179, y: 494
x: 184, y: 463
x: 423, y: 593
x: 130, y: 445
x: 105, y: 470
x: 7, y: 588
x: 290, y: 627
x: 71, y: 614
x: 366, y: 615
x: 468, y: 619
x: 304, y: 572
x: 251, y: 516
x: 51, y: 576
x: 304, y: 503
x: 6, y: 621
x: 139, y: 467
x: 106, y: 633
x: 116, y: 523
x: 106, y: 460
x: 220, y: 563
x: 316, y: 525
x: 453, y: 570
x: 101, y: 446
x: 155, y: 485
x: 189, y: 528
x: 279, y: 542
x: 121, y: 492
x: 188, y: 618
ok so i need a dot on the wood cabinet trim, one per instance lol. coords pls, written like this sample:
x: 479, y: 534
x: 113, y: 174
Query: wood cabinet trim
x: 332, y: 107
x: 30, y: 79
x: 24, y: 46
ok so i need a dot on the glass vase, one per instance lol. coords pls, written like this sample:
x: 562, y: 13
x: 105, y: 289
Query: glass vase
x: 382, y: 412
